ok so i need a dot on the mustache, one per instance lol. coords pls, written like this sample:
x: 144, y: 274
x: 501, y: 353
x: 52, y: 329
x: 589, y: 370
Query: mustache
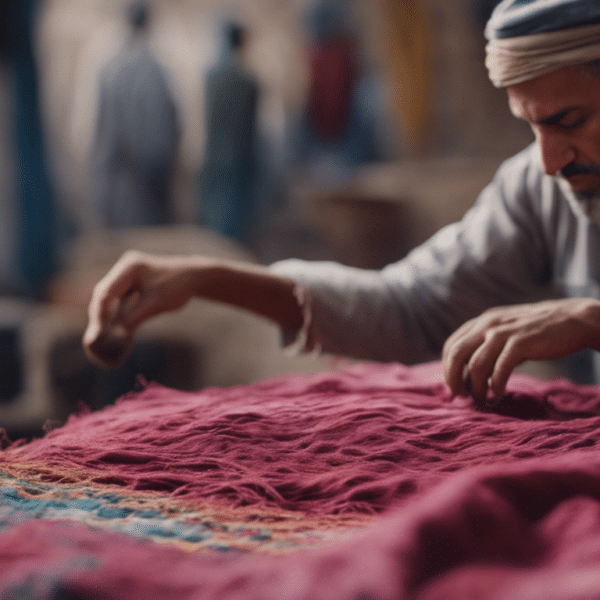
x: 574, y: 168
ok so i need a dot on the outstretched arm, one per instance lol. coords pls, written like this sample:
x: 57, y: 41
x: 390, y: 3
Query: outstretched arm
x: 482, y: 353
x: 140, y: 286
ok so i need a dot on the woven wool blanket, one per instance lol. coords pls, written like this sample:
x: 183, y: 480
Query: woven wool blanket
x: 370, y: 482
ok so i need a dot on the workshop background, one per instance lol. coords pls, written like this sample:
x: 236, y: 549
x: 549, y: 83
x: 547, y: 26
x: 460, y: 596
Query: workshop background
x: 415, y: 95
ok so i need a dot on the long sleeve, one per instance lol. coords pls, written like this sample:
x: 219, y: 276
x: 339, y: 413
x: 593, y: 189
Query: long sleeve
x: 498, y: 254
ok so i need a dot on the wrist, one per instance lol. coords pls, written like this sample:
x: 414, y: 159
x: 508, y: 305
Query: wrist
x: 590, y: 317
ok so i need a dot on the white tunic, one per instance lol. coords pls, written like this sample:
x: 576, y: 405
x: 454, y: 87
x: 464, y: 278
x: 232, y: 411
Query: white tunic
x: 524, y: 240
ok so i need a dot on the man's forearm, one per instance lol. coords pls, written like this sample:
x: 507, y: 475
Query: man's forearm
x: 253, y: 288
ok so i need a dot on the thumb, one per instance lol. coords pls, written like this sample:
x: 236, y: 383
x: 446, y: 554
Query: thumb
x: 127, y: 315
x: 138, y: 307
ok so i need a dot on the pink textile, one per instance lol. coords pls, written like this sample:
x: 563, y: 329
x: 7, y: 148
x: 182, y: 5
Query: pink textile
x: 475, y: 504
x: 354, y: 441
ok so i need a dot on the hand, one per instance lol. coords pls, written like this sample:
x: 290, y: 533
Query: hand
x: 137, y: 287
x: 141, y: 286
x: 483, y: 352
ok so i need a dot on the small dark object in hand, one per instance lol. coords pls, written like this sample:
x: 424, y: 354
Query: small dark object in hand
x: 111, y: 347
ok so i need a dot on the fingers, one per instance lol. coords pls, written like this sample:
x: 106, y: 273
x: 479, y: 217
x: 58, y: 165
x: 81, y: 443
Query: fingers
x: 139, y: 306
x: 108, y: 292
x: 481, y: 354
x: 139, y: 286
x: 508, y: 360
x: 110, y: 348
x: 455, y: 357
x: 487, y: 349
x: 107, y: 339
x: 128, y: 307
x: 115, y: 292
x: 108, y: 343
x: 492, y: 362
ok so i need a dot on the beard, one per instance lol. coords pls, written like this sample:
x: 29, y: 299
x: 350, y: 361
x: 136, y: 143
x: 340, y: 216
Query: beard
x: 587, y: 200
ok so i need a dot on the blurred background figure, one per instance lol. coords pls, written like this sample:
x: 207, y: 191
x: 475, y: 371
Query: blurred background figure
x: 228, y: 176
x: 137, y: 133
x: 412, y: 69
x: 341, y: 126
x: 28, y: 234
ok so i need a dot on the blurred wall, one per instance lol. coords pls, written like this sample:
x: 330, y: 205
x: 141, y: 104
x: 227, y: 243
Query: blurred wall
x: 468, y: 116
x: 462, y: 122
x: 8, y: 216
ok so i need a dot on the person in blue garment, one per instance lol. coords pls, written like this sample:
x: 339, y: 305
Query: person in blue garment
x: 228, y: 177
x: 340, y: 126
x: 517, y: 279
x: 137, y: 133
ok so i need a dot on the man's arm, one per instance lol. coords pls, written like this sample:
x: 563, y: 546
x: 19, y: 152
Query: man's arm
x: 140, y: 286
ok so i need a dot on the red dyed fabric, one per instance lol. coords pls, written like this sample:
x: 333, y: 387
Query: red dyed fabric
x: 465, y: 503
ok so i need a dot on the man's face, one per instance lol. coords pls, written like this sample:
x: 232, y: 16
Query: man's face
x: 563, y: 110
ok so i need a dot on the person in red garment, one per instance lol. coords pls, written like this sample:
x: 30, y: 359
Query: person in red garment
x: 518, y: 278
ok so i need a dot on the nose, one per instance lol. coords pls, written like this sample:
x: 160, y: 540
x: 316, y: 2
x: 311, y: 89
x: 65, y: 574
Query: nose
x: 555, y: 148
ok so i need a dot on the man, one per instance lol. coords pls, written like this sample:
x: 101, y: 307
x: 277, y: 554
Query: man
x: 228, y: 177
x: 137, y: 134
x: 517, y: 279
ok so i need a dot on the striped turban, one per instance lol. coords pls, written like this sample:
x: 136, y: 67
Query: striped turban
x: 530, y: 38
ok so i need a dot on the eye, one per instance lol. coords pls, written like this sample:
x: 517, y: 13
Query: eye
x: 572, y: 121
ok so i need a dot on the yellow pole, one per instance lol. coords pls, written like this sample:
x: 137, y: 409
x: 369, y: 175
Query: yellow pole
x: 408, y: 59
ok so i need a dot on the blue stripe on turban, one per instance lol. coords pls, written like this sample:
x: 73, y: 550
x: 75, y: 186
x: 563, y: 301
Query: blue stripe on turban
x: 514, y: 18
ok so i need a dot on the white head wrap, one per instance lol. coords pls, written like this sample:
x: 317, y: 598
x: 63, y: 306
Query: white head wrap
x: 528, y: 39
